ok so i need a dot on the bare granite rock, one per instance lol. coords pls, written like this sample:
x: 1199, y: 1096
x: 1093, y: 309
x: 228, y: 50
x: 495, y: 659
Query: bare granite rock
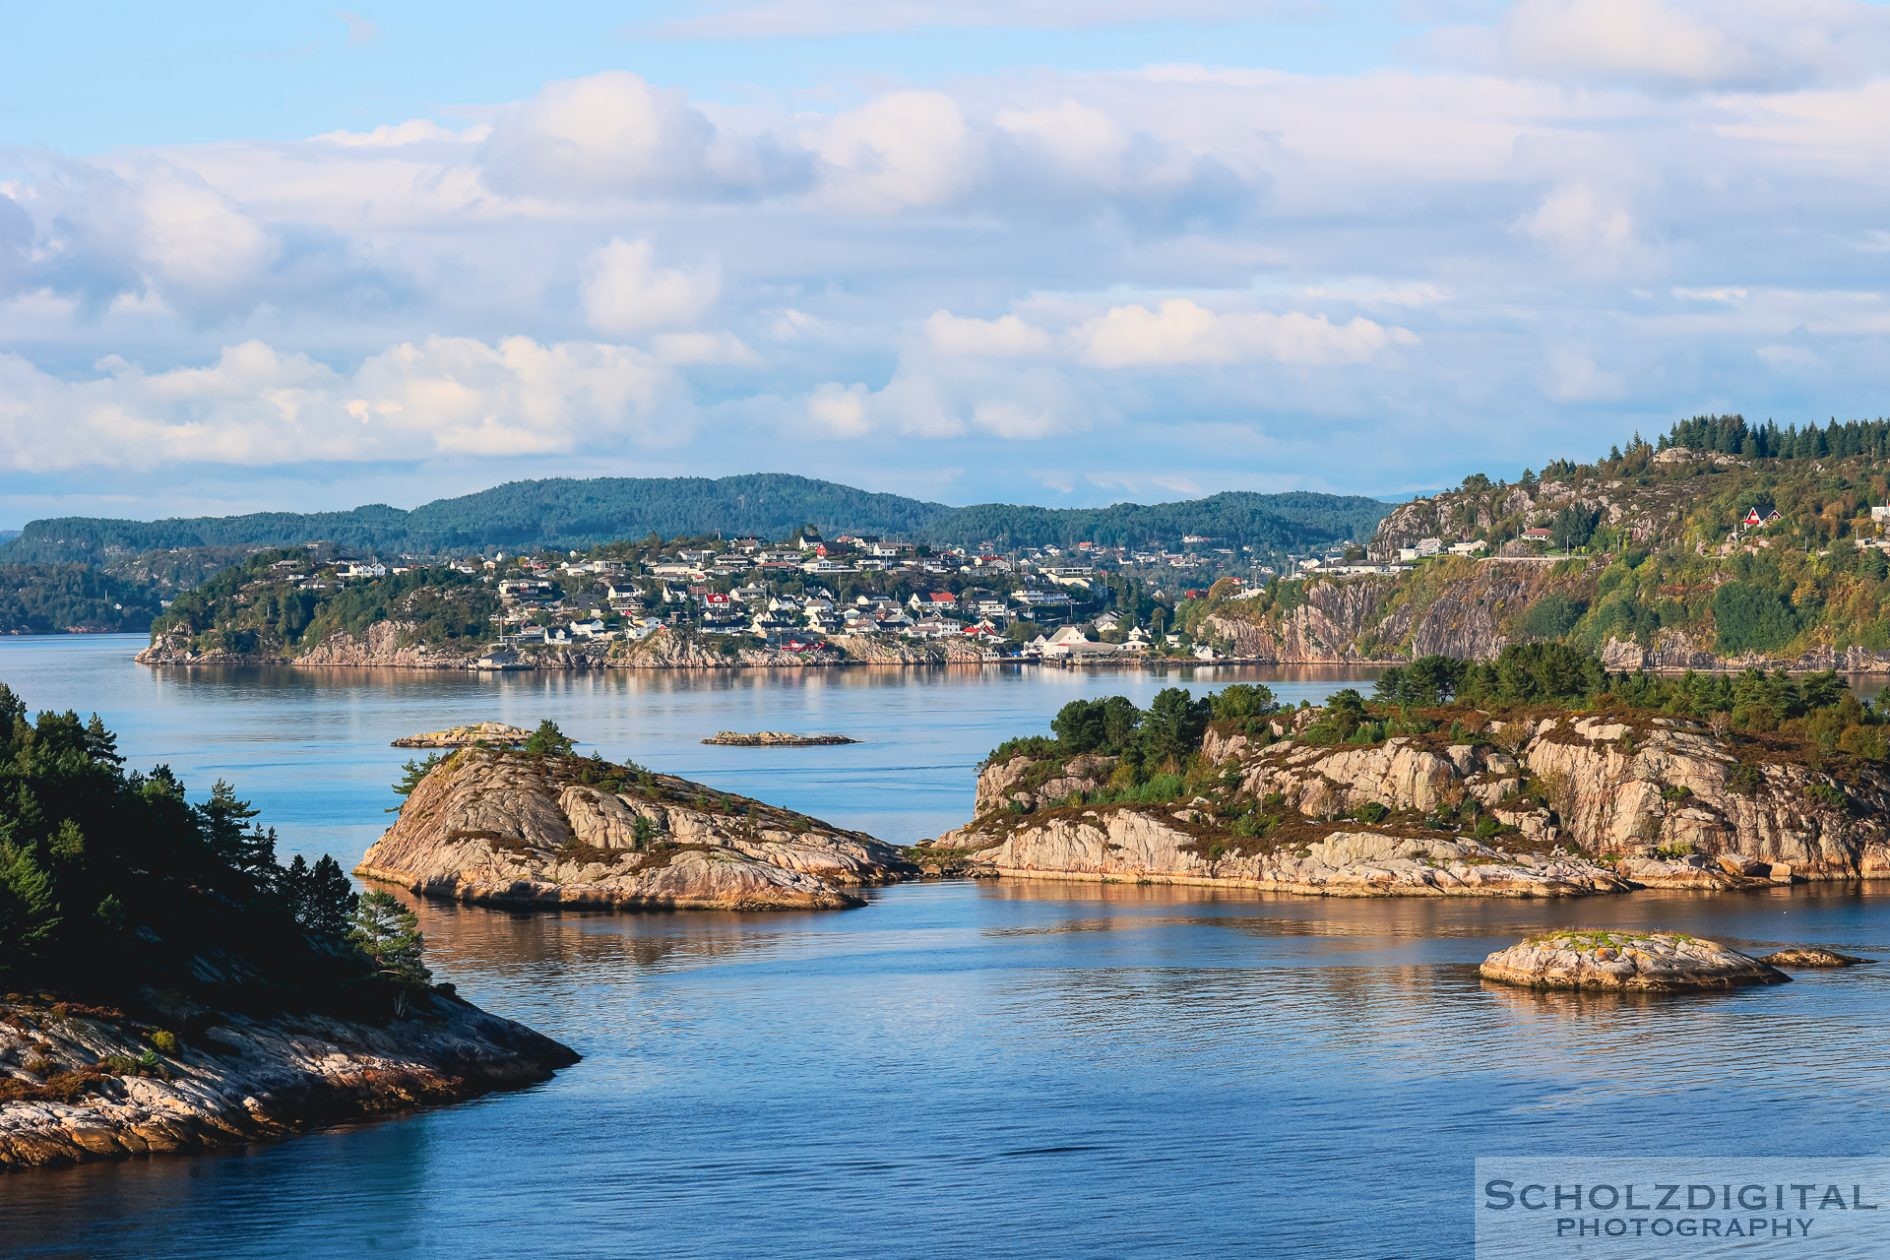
x: 775, y: 739
x: 1656, y: 962
x: 1581, y: 804
x: 497, y: 826
x: 496, y: 733
x: 1812, y: 956
x: 81, y: 1084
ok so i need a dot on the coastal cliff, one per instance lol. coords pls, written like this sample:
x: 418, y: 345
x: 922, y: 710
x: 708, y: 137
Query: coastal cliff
x: 515, y: 828
x: 1565, y: 805
x: 84, y: 1083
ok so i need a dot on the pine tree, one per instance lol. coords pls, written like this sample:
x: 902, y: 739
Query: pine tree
x: 29, y: 910
x: 388, y: 934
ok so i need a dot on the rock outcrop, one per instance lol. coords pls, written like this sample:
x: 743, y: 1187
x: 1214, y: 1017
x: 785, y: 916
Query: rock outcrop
x: 775, y: 739
x: 1812, y: 957
x: 1625, y: 962
x: 500, y: 827
x: 1155, y: 846
x: 1565, y: 805
x: 80, y: 1084
x: 497, y: 734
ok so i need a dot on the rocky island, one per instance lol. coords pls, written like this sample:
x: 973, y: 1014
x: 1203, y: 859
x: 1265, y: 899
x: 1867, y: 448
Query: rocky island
x: 1539, y: 775
x: 497, y: 734
x: 1625, y: 962
x: 775, y: 739
x: 541, y: 826
x: 169, y: 986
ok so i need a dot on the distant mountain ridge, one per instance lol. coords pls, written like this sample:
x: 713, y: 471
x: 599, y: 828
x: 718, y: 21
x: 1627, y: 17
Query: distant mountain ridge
x: 578, y: 513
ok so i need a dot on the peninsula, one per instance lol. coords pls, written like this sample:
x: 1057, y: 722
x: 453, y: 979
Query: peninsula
x: 169, y: 986
x: 1539, y: 775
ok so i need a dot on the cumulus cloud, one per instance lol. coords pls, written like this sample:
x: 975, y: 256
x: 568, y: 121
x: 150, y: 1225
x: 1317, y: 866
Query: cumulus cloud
x: 1582, y: 224
x: 256, y: 405
x: 1181, y: 331
x: 920, y: 402
x: 1669, y: 45
x: 625, y: 293
x: 1004, y: 337
x: 899, y: 151
x: 617, y: 134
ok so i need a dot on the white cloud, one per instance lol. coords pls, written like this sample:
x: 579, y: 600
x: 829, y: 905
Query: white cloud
x: 1582, y: 224
x: 1004, y: 337
x: 616, y: 134
x: 919, y: 402
x: 1633, y: 39
x: 256, y: 405
x: 1182, y: 331
x: 625, y: 293
x: 899, y: 151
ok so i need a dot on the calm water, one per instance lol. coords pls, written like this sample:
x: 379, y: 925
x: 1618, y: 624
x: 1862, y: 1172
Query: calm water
x: 957, y: 1069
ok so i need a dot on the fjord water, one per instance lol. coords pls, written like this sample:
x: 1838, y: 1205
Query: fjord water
x: 959, y: 1069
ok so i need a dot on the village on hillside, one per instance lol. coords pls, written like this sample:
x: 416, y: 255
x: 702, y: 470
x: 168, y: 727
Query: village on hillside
x: 1085, y: 602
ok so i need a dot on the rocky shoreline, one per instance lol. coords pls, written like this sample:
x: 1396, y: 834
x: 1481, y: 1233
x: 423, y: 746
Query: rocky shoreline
x: 81, y: 1084
x: 1577, y: 805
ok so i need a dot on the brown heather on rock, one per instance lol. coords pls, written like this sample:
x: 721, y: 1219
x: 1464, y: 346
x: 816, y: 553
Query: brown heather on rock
x: 1631, y: 962
x: 1586, y: 804
x: 80, y: 1084
x: 501, y: 827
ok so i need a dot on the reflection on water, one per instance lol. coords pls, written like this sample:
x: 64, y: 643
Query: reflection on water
x: 963, y: 1069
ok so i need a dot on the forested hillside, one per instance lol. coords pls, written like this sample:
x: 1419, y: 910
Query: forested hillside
x: 1721, y: 543
x: 585, y: 513
x: 55, y: 598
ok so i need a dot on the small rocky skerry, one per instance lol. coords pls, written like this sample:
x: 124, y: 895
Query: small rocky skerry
x: 84, y: 1083
x: 497, y: 734
x: 502, y: 827
x: 775, y: 739
x: 1625, y: 962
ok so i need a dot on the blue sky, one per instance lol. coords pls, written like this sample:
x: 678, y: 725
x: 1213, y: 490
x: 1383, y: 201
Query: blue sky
x: 1067, y: 252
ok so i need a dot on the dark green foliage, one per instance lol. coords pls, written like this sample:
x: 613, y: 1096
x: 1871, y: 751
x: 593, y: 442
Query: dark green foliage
x: 1749, y: 618
x: 549, y: 741
x: 1240, y: 701
x: 1428, y: 680
x: 413, y: 771
x: 1173, y: 727
x: 584, y: 513
x: 1731, y: 435
x: 1534, y: 673
x: 55, y: 598
x: 1096, y: 726
x: 1551, y: 617
x: 1573, y: 526
x: 388, y: 934
x: 244, y: 608
x: 112, y: 883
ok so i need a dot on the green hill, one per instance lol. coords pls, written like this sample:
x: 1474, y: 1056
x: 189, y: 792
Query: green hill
x: 1723, y: 544
x: 584, y: 513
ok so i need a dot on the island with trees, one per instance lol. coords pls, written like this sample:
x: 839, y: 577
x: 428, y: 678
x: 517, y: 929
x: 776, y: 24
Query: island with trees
x: 1539, y: 774
x: 166, y: 984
